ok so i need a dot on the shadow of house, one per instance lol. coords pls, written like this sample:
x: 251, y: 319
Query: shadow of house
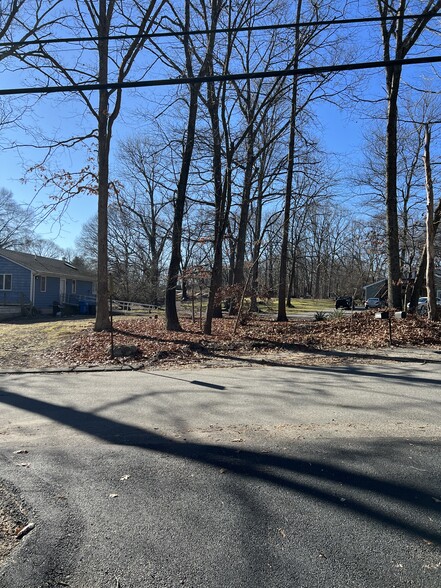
x: 31, y: 284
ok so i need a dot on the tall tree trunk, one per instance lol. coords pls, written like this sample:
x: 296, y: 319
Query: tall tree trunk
x: 231, y: 255
x: 102, y: 321
x: 292, y: 279
x: 393, y: 244
x: 219, y: 199
x: 419, y: 279
x: 223, y: 200
x: 432, y: 313
x: 155, y: 279
x: 281, y: 311
x: 171, y: 313
x: 393, y: 38
x: 270, y: 269
x: 239, y: 269
x: 257, y: 242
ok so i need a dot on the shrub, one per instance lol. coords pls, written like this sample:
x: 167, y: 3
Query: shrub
x: 335, y: 315
x: 320, y: 316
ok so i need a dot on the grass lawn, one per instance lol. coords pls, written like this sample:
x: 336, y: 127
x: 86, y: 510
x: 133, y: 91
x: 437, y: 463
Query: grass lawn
x: 306, y: 305
x: 270, y: 306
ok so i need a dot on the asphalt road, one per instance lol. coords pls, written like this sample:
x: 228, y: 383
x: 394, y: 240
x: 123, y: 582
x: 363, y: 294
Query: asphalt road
x: 210, y: 478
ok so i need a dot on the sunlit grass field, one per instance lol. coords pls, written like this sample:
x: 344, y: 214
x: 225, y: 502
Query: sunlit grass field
x: 299, y: 305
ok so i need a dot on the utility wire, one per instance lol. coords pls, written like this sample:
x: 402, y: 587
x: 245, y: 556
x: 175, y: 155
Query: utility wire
x: 364, y: 20
x: 304, y: 71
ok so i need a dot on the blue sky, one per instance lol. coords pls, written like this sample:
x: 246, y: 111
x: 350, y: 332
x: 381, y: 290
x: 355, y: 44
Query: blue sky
x: 341, y: 133
x: 338, y: 134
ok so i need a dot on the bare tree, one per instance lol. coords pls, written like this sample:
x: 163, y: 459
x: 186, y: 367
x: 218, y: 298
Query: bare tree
x: 193, y: 54
x: 397, y: 42
x: 422, y: 266
x: 281, y: 312
x: 410, y: 181
x: 145, y: 198
x: 430, y: 234
x: 22, y: 21
x: 99, y: 18
x: 16, y: 222
x: 223, y: 149
x: 255, y: 99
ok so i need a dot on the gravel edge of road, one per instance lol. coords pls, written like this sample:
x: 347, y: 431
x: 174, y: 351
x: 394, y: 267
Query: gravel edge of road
x: 14, y: 516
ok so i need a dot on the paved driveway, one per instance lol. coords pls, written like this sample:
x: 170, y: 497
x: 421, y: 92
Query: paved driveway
x: 253, y: 477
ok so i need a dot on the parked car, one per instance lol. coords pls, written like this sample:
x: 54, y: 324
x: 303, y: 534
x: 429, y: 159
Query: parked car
x: 345, y: 302
x: 421, y: 300
x: 422, y: 305
x: 374, y: 303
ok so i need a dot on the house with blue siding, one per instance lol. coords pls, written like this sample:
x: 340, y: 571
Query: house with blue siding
x: 42, y: 283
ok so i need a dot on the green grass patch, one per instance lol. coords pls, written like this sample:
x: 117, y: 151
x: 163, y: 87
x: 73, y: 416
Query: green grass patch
x: 299, y: 305
x: 304, y: 305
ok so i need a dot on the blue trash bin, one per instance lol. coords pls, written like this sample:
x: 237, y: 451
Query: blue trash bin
x: 84, y: 307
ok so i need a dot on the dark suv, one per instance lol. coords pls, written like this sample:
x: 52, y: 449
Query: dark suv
x: 345, y: 302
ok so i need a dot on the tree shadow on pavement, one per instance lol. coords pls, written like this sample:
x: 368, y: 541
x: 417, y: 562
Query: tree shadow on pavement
x: 407, y: 507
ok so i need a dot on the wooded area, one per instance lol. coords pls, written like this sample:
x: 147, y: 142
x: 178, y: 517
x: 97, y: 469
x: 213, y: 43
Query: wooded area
x: 227, y: 189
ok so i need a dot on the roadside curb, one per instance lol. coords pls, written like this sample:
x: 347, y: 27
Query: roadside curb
x: 73, y: 370
x: 405, y: 355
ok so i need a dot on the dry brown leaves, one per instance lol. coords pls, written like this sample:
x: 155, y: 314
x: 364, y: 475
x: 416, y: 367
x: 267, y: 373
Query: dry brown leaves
x: 155, y: 344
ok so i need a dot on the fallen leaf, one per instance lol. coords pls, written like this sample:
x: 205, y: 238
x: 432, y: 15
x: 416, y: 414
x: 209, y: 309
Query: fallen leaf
x: 259, y: 335
x: 113, y: 495
x: 25, y: 530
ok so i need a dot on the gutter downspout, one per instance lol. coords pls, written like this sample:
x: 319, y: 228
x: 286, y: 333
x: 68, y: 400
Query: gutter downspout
x: 32, y: 290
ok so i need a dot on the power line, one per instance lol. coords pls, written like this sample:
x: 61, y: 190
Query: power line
x: 273, y: 27
x: 305, y: 71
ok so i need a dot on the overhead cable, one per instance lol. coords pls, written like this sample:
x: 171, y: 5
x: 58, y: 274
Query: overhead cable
x: 303, y: 71
x: 361, y: 20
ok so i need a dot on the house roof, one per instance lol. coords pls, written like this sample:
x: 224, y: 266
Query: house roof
x: 384, y: 280
x: 376, y: 283
x: 47, y: 265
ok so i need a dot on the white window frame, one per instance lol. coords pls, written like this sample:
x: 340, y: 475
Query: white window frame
x: 74, y: 286
x: 3, y: 282
x: 43, y: 283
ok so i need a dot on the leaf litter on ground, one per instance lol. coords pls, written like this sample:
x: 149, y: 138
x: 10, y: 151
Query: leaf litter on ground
x: 262, y: 337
